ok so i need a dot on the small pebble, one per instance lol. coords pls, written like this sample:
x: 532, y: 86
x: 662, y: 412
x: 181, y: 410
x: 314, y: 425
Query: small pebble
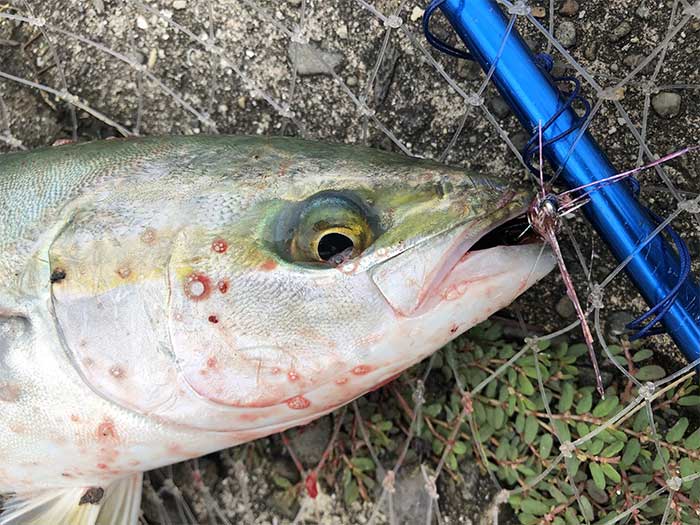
x: 342, y: 31
x: 310, y: 60
x: 538, y: 11
x: 416, y: 14
x: 666, y: 104
x: 565, y: 308
x: 294, y: 3
x: 141, y: 22
x: 180, y: 4
x: 499, y: 107
x: 620, y: 31
x: 617, y: 324
x: 468, y: 70
x: 519, y: 139
x: 643, y: 11
x: 569, y: 8
x: 633, y: 60
x: 566, y: 34
x: 351, y: 81
x: 591, y: 51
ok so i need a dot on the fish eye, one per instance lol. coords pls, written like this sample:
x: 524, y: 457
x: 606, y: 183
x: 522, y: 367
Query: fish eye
x: 329, y: 228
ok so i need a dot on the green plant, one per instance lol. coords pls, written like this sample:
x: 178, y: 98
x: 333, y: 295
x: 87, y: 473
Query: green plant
x: 515, y: 422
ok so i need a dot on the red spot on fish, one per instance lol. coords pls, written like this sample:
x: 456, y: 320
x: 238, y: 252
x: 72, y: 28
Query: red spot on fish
x: 134, y: 463
x: 9, y: 392
x: 298, y: 403
x: 454, y: 328
x: 341, y: 381
x: 275, y: 371
x: 117, y: 372
x: 213, y: 319
x: 197, y: 286
x: 175, y: 449
x: 149, y: 236
x: 268, y: 265
x: 106, y: 431
x: 124, y: 271
x: 219, y: 246
x: 361, y: 370
x: 311, y: 484
x: 292, y: 375
x: 212, y: 362
x: 222, y: 286
x: 102, y: 466
x: 74, y: 418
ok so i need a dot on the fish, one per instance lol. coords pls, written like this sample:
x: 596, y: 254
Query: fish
x: 166, y: 297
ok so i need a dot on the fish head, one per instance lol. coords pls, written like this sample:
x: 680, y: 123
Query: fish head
x: 336, y: 276
x: 251, y: 284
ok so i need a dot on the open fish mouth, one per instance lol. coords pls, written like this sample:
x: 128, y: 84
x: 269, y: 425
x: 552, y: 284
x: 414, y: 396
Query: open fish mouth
x: 482, y: 249
x: 502, y: 234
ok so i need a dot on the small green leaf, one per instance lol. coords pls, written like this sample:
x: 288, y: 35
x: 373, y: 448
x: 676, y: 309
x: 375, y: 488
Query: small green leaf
x: 596, y: 446
x: 692, y: 442
x: 650, y: 373
x: 546, y: 445
x: 605, y: 407
x: 451, y: 461
x: 597, y: 474
x: 362, y: 463
x: 567, y: 397
x: 281, y: 482
x: 586, y: 508
x: 631, y: 452
x: 611, y: 473
x: 530, y: 429
x: 585, y: 404
x: 689, y: 401
x: 351, y: 493
x: 612, y: 449
x: 687, y: 467
x: 459, y: 448
x: 433, y: 410
x: 525, y: 386
x: 642, y: 355
x: 532, y: 506
x: 499, y: 418
x: 576, y: 350
x: 527, y: 519
x: 676, y: 432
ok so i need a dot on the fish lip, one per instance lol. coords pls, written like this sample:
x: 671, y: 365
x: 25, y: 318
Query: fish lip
x: 460, y: 248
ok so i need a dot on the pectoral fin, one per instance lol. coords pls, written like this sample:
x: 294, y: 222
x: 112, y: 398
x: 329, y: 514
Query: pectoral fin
x: 118, y: 504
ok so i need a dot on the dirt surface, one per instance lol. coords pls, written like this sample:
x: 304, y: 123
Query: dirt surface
x: 156, y: 71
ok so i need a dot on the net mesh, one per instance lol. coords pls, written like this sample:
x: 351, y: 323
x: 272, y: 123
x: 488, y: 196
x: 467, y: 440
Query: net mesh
x: 515, y: 423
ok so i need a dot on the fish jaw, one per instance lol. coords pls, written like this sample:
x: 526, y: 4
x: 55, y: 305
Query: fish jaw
x: 480, y: 284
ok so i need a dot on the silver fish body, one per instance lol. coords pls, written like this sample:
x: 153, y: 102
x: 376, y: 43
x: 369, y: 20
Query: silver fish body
x: 163, y: 298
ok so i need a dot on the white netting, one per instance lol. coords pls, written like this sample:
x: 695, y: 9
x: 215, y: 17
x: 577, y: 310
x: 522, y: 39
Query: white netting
x: 485, y: 421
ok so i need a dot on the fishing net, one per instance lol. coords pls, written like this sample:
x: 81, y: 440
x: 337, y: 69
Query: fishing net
x: 503, y: 425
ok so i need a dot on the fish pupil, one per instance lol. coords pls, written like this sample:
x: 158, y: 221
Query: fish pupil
x: 333, y: 244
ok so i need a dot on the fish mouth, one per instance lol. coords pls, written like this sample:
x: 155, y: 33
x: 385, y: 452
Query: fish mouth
x: 509, y: 231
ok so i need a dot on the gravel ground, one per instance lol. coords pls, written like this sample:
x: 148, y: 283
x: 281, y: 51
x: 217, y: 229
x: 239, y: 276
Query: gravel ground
x: 159, y: 70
